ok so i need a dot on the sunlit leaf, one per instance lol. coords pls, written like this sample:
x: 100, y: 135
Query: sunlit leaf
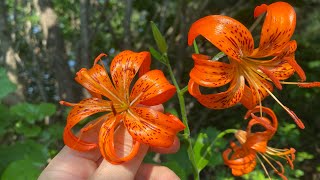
x: 6, y: 85
x: 27, y: 130
x: 28, y: 150
x: 33, y: 112
x: 301, y: 156
x: 22, y: 170
x: 256, y: 174
x: 46, y: 109
x: 161, y: 42
x: 206, y: 148
x: 157, y: 55
x: 201, y: 151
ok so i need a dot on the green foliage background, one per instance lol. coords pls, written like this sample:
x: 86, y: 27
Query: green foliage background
x: 31, y: 127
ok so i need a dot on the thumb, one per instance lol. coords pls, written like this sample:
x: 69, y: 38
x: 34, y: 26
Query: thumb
x: 123, y: 146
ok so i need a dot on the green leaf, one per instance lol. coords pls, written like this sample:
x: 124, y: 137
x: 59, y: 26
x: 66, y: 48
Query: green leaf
x: 157, y: 55
x: 181, y: 158
x: 56, y: 130
x: 33, y: 112
x: 22, y: 151
x: 161, y: 42
x: 301, y: 156
x: 6, y: 85
x: 46, y: 109
x: 149, y: 158
x: 202, y: 151
x: 206, y: 148
x: 6, y: 118
x: 256, y: 174
x: 27, y: 130
x: 22, y: 170
x: 26, y: 111
x: 175, y: 167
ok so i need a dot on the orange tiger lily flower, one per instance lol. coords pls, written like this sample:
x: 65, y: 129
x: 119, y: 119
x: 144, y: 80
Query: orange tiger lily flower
x: 243, y: 158
x: 122, y: 107
x: 250, y: 72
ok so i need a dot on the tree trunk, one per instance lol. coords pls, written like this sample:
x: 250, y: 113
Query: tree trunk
x: 84, y: 34
x: 126, y: 25
x: 8, y: 55
x: 53, y: 40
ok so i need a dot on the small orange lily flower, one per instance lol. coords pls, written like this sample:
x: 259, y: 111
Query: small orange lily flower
x: 250, y: 72
x: 244, y: 157
x: 123, y: 108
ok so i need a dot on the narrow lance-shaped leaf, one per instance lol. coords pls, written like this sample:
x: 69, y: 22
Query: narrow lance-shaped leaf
x: 161, y: 42
x: 157, y: 55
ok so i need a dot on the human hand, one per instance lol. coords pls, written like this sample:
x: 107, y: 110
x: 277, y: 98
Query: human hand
x: 70, y: 164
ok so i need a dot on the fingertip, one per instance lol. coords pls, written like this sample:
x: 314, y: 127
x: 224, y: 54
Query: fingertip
x: 158, y: 107
x: 172, y: 149
x: 151, y: 171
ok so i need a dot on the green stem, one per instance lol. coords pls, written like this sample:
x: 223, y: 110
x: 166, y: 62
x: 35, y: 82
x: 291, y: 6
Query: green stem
x: 220, y: 135
x: 255, y: 23
x: 195, y: 46
x: 180, y: 93
x: 184, y: 90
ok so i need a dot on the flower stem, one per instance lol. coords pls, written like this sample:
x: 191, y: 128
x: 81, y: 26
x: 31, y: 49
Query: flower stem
x: 184, y: 90
x: 255, y: 23
x: 180, y: 93
x: 220, y: 135
x: 195, y: 46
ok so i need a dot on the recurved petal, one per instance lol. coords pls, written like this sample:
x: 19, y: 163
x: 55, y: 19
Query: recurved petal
x: 282, y: 71
x: 265, y: 110
x: 277, y: 29
x: 252, y: 96
x: 220, y: 100
x: 241, y: 162
x: 124, y: 67
x: 258, y: 141
x: 152, y: 127
x: 107, y: 144
x: 152, y: 89
x: 291, y: 60
x: 79, y: 112
x: 227, y: 34
x: 210, y: 73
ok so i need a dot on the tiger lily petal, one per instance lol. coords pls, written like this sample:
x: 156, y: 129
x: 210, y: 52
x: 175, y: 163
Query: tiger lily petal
x: 80, y: 111
x: 151, y: 89
x: 122, y: 108
x: 219, y: 100
x: 124, y: 67
x: 152, y: 127
x: 269, y: 64
x: 277, y: 29
x: 227, y: 34
x: 107, y: 145
x: 253, y: 146
x: 242, y: 161
x: 210, y: 73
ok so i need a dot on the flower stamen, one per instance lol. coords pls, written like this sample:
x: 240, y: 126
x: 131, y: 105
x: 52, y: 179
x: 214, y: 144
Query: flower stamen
x: 290, y: 112
x: 264, y: 167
